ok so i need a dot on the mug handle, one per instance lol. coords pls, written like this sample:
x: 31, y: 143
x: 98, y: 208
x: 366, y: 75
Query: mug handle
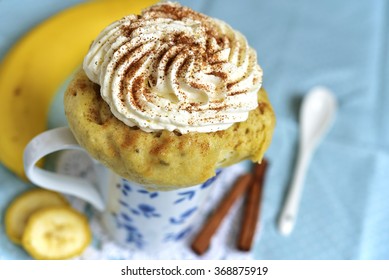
x: 46, y: 143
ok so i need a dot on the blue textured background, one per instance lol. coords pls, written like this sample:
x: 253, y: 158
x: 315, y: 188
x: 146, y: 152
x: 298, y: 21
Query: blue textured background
x: 343, y: 45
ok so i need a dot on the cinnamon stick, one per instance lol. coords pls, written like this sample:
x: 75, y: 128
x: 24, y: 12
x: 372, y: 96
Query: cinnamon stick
x: 203, y: 239
x: 252, y: 208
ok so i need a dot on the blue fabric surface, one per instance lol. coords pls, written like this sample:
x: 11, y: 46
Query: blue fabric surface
x: 343, y: 45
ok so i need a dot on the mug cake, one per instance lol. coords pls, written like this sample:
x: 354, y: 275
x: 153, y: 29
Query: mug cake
x: 167, y: 97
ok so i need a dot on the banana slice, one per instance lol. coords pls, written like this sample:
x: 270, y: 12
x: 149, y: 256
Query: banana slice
x: 56, y: 233
x: 23, y: 206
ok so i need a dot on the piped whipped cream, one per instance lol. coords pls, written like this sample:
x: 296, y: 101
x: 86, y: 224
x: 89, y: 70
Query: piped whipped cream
x: 174, y: 69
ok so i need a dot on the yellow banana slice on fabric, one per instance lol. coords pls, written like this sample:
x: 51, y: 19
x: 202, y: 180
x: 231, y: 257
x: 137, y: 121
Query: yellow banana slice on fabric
x: 39, y: 63
x: 20, y: 210
x: 56, y: 233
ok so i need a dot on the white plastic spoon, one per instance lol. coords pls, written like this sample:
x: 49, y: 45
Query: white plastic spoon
x: 316, y: 115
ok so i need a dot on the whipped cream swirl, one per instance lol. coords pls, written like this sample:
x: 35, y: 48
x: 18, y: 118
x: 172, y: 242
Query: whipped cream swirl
x: 174, y: 69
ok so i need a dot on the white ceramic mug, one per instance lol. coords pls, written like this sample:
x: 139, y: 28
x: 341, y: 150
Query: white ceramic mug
x: 134, y: 216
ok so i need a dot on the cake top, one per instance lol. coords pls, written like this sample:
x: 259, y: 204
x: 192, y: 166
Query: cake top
x: 175, y: 69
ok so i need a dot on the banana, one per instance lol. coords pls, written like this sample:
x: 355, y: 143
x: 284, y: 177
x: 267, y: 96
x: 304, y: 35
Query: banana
x: 40, y: 62
x: 55, y: 233
x: 24, y: 206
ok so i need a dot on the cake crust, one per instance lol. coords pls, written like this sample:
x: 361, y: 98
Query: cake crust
x: 162, y: 160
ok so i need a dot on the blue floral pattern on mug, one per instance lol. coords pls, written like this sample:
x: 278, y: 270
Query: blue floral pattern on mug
x: 181, y: 219
x: 178, y: 235
x: 133, y: 234
x: 188, y: 195
x: 211, y: 180
x: 150, y: 194
x: 144, y: 214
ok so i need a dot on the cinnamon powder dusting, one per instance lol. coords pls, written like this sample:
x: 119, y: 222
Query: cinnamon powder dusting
x: 181, y: 56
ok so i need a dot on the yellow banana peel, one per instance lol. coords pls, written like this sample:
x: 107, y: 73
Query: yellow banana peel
x: 39, y: 63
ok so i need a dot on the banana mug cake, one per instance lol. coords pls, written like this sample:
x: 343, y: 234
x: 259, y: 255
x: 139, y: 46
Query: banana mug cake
x: 167, y: 97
